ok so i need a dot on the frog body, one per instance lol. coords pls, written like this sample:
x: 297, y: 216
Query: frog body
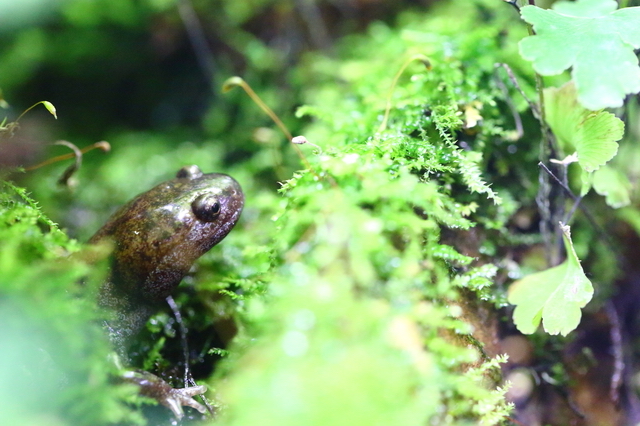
x: 156, y: 238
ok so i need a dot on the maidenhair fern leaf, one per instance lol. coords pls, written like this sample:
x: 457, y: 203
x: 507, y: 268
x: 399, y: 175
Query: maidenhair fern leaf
x: 593, y: 38
x: 554, y: 296
x: 592, y: 134
x: 613, y: 185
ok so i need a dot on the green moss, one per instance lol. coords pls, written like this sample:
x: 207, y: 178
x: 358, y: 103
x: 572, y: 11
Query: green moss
x: 53, y: 365
x: 345, y: 286
x: 363, y: 282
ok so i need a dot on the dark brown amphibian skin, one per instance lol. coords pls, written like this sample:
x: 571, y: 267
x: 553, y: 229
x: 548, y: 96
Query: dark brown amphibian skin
x: 157, y: 237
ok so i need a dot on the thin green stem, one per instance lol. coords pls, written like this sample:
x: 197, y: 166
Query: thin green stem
x: 237, y: 81
x: 103, y: 145
x: 47, y: 105
x: 418, y: 57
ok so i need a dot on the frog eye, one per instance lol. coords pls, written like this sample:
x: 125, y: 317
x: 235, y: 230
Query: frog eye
x: 206, y: 207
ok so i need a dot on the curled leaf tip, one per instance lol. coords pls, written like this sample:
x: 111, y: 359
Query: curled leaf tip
x: 232, y: 82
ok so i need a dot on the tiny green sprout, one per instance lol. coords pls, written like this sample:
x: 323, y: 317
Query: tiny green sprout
x: 301, y: 140
x: 12, y: 126
x: 219, y: 352
x: 418, y: 57
x: 48, y: 105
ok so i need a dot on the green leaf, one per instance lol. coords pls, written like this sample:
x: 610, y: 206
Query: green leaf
x: 613, y: 185
x: 554, y: 296
x: 592, y: 134
x: 586, y: 8
x: 587, y: 182
x: 593, y: 38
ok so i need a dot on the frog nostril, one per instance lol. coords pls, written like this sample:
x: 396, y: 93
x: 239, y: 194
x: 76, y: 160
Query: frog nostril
x: 206, y: 207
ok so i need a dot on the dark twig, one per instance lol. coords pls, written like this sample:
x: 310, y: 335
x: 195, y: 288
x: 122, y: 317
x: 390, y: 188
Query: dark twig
x: 546, y: 148
x: 183, y: 337
x: 197, y: 37
x: 618, y: 358
x: 571, y: 212
x: 312, y: 16
x: 561, y: 200
x: 516, y: 116
x: 587, y: 214
x: 188, y: 378
x: 514, y: 80
x: 542, y: 199
x: 544, y: 208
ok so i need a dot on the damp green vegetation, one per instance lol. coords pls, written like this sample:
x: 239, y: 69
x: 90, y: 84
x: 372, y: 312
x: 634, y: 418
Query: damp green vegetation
x: 367, y: 286
x: 53, y: 365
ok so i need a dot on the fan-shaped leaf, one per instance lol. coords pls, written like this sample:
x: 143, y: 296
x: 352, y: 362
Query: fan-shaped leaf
x: 592, y: 134
x: 593, y: 38
x: 554, y: 296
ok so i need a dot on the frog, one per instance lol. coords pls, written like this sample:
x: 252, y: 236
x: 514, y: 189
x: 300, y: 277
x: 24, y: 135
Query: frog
x: 155, y: 239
